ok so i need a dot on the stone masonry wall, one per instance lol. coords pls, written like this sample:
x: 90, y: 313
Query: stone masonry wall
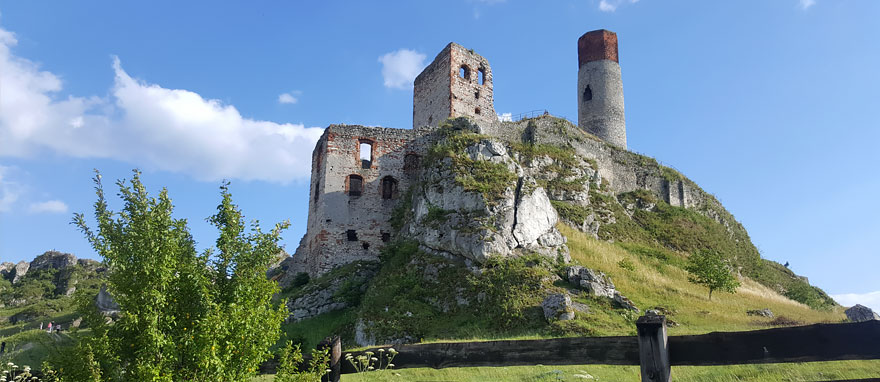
x: 342, y: 226
x: 600, y: 89
x: 458, y: 83
x: 432, y: 102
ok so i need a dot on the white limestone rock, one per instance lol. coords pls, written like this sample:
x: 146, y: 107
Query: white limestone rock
x: 557, y: 307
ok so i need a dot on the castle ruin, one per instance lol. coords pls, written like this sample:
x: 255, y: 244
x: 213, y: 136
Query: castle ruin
x: 360, y: 174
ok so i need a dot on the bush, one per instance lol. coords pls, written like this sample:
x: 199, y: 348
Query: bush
x: 183, y: 316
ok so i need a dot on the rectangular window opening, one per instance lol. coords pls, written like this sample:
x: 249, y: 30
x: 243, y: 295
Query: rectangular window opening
x: 366, y: 154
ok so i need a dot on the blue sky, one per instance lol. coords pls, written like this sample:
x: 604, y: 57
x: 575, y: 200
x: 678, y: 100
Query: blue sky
x: 772, y: 106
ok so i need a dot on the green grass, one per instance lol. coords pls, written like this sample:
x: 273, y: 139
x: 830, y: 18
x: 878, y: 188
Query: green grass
x: 311, y: 331
x: 814, y: 371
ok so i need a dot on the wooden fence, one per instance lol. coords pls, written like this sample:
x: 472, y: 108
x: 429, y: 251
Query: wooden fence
x: 651, y: 349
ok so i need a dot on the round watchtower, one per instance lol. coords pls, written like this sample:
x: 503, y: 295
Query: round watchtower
x: 600, y: 89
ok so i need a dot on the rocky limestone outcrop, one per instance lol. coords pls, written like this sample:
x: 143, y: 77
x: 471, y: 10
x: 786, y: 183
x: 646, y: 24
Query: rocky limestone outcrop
x: 598, y: 284
x: 331, y: 294
x: 105, y: 303
x: 861, y: 313
x: 18, y: 271
x: 519, y: 219
x: 558, y: 307
x: 52, y: 260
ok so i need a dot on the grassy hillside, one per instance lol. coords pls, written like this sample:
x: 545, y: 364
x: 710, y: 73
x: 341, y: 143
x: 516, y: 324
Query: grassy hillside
x: 651, y: 277
x: 39, y: 297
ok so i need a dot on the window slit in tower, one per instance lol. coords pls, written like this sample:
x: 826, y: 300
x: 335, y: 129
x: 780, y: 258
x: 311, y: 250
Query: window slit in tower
x: 464, y: 72
x: 588, y: 93
x: 482, y: 76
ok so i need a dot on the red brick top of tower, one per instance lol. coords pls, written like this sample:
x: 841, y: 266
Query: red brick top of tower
x: 597, y: 45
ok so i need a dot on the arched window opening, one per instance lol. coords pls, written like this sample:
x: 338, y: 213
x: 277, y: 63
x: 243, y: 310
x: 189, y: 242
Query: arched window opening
x: 355, y: 185
x: 482, y: 76
x: 588, y: 94
x: 351, y: 235
x: 389, y: 188
x: 465, y: 72
x: 411, y: 164
x: 366, y: 153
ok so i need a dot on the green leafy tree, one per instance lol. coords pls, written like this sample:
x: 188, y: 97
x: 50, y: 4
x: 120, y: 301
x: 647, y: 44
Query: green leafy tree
x: 709, y: 268
x: 183, y: 315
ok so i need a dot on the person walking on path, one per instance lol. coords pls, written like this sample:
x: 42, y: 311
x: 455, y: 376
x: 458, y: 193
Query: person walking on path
x: 50, y: 327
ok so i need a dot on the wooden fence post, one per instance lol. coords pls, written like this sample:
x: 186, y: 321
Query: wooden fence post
x: 334, y: 347
x: 653, y: 348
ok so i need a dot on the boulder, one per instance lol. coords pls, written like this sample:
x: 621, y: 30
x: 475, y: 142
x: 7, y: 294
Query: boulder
x: 598, y: 284
x: 766, y: 312
x: 860, y: 313
x: 557, y: 307
x: 622, y: 302
x: 594, y: 282
x: 53, y: 260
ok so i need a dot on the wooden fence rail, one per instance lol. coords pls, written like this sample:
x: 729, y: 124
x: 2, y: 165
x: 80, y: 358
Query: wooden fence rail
x: 651, y: 349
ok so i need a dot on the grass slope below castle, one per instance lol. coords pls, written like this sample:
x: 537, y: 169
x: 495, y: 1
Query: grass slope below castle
x: 651, y: 282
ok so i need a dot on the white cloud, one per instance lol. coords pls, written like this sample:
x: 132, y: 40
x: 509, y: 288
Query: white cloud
x: 9, y: 190
x: 400, y: 68
x: 505, y: 117
x: 611, y: 5
x: 146, y: 125
x: 805, y: 4
x: 870, y: 299
x: 49, y: 206
x: 289, y: 98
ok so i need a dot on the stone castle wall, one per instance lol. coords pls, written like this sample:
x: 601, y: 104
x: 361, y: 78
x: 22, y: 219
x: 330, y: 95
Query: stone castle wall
x: 458, y: 83
x: 345, y: 225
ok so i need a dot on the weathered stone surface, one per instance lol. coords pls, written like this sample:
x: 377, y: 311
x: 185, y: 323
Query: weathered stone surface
x: 622, y: 302
x: 327, y: 296
x: 535, y: 216
x: 860, y: 313
x: 766, y: 312
x: 447, y: 218
x: 105, y: 303
x: 52, y: 260
x: 594, y: 282
x: 19, y: 271
x: 557, y: 307
x: 598, y: 284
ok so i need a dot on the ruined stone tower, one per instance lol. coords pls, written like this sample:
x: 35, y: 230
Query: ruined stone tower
x: 600, y: 90
x: 458, y: 83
